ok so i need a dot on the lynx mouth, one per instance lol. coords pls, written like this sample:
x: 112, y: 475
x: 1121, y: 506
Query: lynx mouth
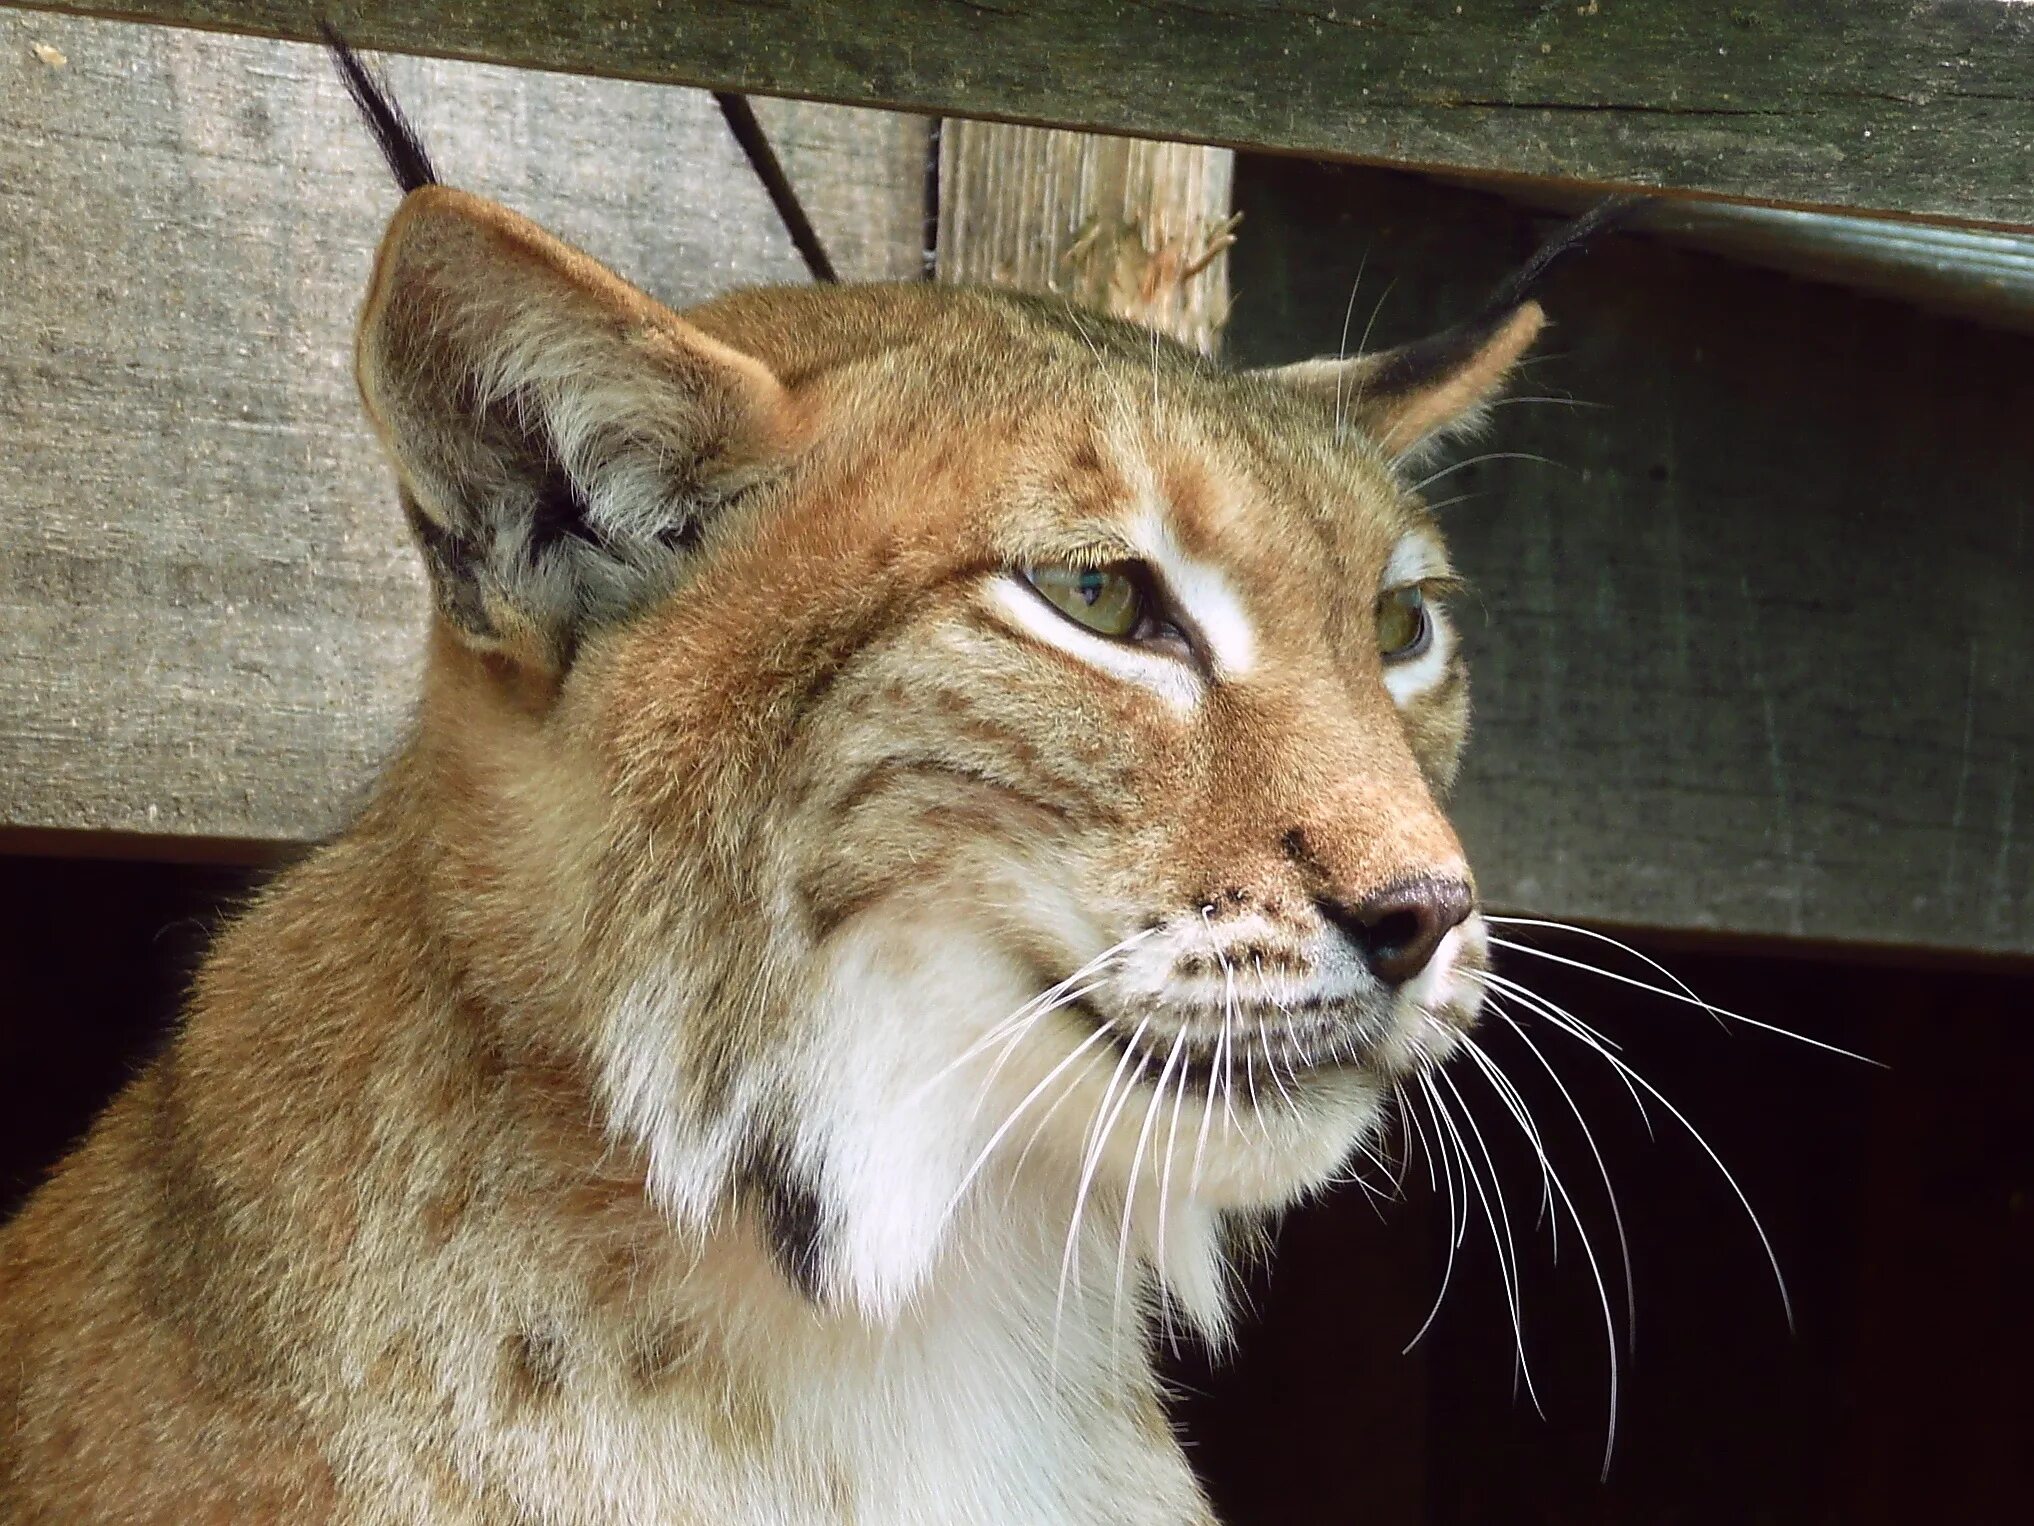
x: 1252, y: 1049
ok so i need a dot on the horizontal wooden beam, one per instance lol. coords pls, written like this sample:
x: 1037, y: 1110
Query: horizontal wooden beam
x: 1886, y: 106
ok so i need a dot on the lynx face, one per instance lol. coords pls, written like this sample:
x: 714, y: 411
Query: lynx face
x: 931, y: 745
x: 1135, y: 741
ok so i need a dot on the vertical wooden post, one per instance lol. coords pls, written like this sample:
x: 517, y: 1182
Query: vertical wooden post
x: 1132, y: 228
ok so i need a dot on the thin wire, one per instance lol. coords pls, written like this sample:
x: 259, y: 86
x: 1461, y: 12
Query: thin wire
x: 748, y: 132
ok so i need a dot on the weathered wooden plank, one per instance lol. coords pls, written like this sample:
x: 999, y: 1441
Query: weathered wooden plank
x: 860, y: 175
x: 1925, y: 110
x: 209, y: 613
x: 1125, y: 225
x: 1755, y: 649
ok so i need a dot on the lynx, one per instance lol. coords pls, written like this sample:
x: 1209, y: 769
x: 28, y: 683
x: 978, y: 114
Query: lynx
x: 923, y: 824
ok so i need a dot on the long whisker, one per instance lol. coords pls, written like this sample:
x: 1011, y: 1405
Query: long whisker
x: 1602, y: 1170
x: 1044, y: 1118
x: 1562, y: 1022
x: 1399, y: 1163
x: 1207, y: 1101
x: 1165, y: 1170
x: 1515, y: 1104
x: 1504, y: 1244
x: 1494, y: 455
x: 1015, y: 1041
x: 1363, y: 344
x: 1271, y: 1062
x: 1644, y: 958
x: 1602, y: 1296
x: 1018, y: 1112
x: 1105, y: 1124
x: 1559, y: 402
x: 1691, y: 1000
x: 1363, y: 1149
x: 1449, y: 503
x: 1225, y: 1040
x: 1032, y: 1008
x: 1410, y: 1125
x: 1437, y: 1151
x: 1137, y: 1163
x: 1538, y: 1004
x: 1348, y: 312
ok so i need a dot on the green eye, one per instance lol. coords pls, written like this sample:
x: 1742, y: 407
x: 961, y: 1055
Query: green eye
x: 1403, y: 624
x: 1107, y: 600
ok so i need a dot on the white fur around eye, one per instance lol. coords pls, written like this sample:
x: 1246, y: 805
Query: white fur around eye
x: 1206, y: 598
x: 1406, y: 681
x: 1416, y: 558
x: 1172, y: 680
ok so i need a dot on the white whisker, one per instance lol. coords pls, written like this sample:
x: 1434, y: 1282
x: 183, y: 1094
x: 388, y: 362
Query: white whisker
x: 1410, y: 1125
x: 1165, y: 1170
x: 1602, y: 1170
x: 1342, y: 353
x: 1494, y: 455
x: 1559, y: 402
x: 1051, y: 996
x: 1105, y: 1123
x: 1436, y: 1143
x: 1017, y: 1112
x: 1363, y: 344
x: 1563, y: 1023
x: 1137, y: 1164
x: 1224, y: 1039
x: 1603, y: 1298
x: 1500, y: 1227
x: 1515, y: 1103
x: 1690, y: 999
x: 1044, y: 1118
x: 1536, y: 1003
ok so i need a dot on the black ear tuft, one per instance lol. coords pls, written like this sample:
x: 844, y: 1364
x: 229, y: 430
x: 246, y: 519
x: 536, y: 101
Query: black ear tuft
x: 385, y: 119
x: 1438, y: 354
x: 1571, y: 239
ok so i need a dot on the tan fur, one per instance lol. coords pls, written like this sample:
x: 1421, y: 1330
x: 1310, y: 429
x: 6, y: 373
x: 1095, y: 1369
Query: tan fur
x: 464, y: 1192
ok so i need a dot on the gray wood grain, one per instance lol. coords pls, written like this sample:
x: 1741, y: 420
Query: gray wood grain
x: 1926, y: 109
x: 1753, y: 647
x: 209, y: 613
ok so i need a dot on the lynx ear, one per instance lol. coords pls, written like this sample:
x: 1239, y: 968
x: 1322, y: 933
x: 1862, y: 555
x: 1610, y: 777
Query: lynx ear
x: 562, y: 440
x: 1422, y: 392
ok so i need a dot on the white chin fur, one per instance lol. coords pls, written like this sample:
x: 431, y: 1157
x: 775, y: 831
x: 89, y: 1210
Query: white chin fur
x: 921, y: 1146
x: 1225, y: 1152
x: 914, y: 1144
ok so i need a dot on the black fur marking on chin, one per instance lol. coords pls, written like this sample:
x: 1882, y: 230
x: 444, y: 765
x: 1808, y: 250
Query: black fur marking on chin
x: 400, y: 145
x: 1414, y: 364
x: 788, y: 1208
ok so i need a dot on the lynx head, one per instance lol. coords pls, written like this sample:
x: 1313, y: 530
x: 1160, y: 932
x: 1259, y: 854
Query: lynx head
x: 927, y: 746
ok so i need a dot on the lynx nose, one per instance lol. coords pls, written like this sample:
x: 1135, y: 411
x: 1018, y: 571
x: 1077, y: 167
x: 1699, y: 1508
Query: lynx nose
x: 1398, y: 929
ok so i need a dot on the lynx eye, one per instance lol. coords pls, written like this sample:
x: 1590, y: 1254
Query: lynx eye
x: 1404, y: 627
x: 1109, y: 601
